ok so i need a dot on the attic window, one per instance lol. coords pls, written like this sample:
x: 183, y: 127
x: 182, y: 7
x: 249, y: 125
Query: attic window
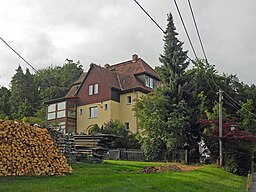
x: 96, y: 88
x: 90, y: 89
x: 93, y: 89
x: 149, y: 82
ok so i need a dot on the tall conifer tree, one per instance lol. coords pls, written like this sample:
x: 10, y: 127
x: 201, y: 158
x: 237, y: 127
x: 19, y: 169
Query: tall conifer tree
x: 168, y: 116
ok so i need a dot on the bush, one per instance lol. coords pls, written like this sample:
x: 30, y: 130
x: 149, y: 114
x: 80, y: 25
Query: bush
x: 238, y: 159
x: 125, y: 138
x: 154, y: 149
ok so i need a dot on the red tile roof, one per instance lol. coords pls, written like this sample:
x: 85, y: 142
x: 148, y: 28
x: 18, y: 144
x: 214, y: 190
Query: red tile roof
x: 110, y: 77
x: 133, y: 68
x: 121, y: 76
x: 80, y: 79
x: 72, y: 91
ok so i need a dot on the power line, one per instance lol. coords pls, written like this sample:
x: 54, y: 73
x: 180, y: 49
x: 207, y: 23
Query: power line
x: 149, y: 16
x: 35, y: 70
x: 197, y: 30
x: 19, y: 55
x: 184, y: 26
x: 233, y: 100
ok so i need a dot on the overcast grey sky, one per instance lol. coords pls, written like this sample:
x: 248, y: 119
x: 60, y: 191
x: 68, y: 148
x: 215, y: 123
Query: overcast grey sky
x: 109, y: 31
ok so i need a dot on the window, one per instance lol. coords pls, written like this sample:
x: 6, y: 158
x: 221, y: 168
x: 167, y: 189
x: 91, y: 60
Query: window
x: 51, y: 108
x: 72, y: 114
x: 96, y: 88
x: 149, y: 82
x: 51, y: 116
x: 93, y: 112
x: 127, y: 126
x: 90, y: 89
x: 61, y: 106
x: 128, y: 100
x: 93, y: 89
x: 106, y: 107
x: 81, y: 111
x: 61, y: 114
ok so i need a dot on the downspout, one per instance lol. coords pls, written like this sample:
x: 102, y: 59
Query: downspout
x: 136, y: 118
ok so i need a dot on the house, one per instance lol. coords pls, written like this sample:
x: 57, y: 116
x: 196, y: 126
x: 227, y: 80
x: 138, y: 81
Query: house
x: 102, y: 94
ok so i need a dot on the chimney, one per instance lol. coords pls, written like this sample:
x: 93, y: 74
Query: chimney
x: 134, y: 58
x: 107, y: 66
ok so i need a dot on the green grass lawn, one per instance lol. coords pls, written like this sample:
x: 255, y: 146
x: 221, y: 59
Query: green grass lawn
x: 122, y: 176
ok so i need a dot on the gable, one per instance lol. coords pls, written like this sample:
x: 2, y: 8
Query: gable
x: 104, y: 90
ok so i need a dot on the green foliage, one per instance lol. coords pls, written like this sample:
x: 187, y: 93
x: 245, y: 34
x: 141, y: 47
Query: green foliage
x: 237, y: 157
x: 114, y: 127
x: 54, y: 82
x: 154, y: 149
x: 4, y: 102
x: 33, y: 120
x: 28, y: 92
x: 151, y: 112
x: 169, y: 115
x: 22, y: 95
x: 248, y: 118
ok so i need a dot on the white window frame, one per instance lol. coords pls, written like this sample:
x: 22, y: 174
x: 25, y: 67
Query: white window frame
x: 61, y: 106
x: 61, y: 114
x: 93, y: 112
x: 149, y: 82
x: 96, y: 88
x: 90, y: 89
x: 51, y: 116
x: 52, y: 108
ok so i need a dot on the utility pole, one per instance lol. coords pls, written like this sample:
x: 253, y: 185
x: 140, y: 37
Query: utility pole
x: 220, y: 125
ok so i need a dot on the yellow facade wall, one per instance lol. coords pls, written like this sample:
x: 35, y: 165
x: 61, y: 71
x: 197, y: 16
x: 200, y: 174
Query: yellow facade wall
x: 127, y: 115
x: 116, y: 111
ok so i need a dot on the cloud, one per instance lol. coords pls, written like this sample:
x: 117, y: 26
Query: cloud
x: 47, y: 32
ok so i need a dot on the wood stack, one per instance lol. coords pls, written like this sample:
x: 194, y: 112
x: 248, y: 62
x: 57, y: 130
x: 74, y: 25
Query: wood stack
x: 29, y: 150
x: 65, y: 144
x: 92, y: 148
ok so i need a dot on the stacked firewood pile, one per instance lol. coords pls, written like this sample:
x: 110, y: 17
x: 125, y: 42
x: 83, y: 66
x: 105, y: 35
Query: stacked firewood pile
x: 92, y: 148
x: 65, y: 144
x: 29, y: 150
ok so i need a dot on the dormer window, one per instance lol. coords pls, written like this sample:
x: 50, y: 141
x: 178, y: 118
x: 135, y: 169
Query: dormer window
x: 149, y: 82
